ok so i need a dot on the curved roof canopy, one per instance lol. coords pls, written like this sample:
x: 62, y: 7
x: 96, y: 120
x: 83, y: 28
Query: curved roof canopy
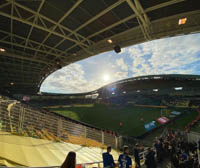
x: 37, y: 37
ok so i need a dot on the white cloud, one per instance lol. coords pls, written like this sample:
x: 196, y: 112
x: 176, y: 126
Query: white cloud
x: 123, y: 50
x: 165, y: 56
x: 69, y: 79
x: 120, y: 62
x: 120, y: 75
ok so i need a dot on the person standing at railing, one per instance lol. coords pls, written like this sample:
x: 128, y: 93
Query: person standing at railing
x: 124, y: 160
x: 136, y: 156
x: 70, y: 161
x: 150, y: 159
x: 108, y: 161
x: 158, y: 148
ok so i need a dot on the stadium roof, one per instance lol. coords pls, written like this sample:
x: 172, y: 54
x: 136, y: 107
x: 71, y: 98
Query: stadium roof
x: 37, y: 37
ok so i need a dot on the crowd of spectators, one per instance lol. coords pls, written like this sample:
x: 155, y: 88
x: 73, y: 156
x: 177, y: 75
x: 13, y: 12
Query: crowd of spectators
x: 171, y: 148
x: 174, y: 147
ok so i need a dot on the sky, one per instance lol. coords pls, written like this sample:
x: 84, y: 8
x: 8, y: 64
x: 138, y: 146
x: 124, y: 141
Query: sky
x: 174, y: 55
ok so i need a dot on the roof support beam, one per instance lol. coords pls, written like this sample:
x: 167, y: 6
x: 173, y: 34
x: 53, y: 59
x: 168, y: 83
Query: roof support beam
x: 113, y: 25
x: 30, y: 58
x: 15, y: 77
x: 11, y: 23
x: 12, y: 55
x: 162, y: 5
x: 51, y: 21
x: 58, y: 25
x: 171, y: 2
x: 130, y: 40
x: 20, y: 19
x: 100, y: 14
x: 18, y: 71
x: 95, y: 18
x: 141, y: 10
x: 163, y: 34
x: 142, y: 18
x: 4, y: 5
x: 26, y: 47
x: 32, y: 43
x: 35, y: 18
x: 17, y: 64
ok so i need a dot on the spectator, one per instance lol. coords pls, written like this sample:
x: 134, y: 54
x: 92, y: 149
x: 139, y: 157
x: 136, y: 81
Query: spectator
x: 157, y: 146
x: 70, y: 161
x: 136, y: 155
x: 181, y: 153
x: 175, y: 161
x: 124, y: 160
x: 150, y: 159
x: 108, y: 161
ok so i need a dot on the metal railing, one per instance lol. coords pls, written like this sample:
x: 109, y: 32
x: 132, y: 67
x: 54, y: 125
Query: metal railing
x: 22, y: 119
x: 83, y: 165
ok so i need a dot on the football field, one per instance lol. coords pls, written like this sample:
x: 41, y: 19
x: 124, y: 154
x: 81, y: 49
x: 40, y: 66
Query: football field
x: 132, y: 118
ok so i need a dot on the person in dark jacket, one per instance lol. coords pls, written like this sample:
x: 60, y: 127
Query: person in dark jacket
x: 136, y: 156
x: 150, y: 159
x: 175, y: 161
x: 108, y: 161
x: 124, y: 159
x: 157, y: 146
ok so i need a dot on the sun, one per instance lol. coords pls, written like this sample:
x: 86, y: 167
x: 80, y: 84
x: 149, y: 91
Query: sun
x: 106, y: 77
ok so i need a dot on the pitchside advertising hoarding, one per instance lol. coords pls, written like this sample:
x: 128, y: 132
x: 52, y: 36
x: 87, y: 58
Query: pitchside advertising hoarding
x: 149, y: 126
x: 163, y: 120
x: 175, y: 113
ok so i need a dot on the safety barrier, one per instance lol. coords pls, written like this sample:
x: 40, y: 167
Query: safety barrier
x: 84, y: 165
x: 21, y: 119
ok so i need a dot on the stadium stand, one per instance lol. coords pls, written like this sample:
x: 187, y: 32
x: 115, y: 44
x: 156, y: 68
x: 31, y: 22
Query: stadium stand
x: 28, y: 131
x: 165, y: 86
x: 21, y: 119
x: 46, y: 153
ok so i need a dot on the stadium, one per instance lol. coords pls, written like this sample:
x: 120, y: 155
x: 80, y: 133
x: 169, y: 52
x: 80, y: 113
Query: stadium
x: 159, y: 113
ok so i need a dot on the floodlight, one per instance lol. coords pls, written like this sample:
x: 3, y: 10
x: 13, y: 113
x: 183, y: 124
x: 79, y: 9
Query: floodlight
x: 2, y: 50
x: 109, y: 41
x: 182, y: 21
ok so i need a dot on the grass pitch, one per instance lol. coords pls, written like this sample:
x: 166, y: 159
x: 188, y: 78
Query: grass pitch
x: 132, y: 117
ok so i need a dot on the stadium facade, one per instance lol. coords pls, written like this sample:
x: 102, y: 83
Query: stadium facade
x: 171, y: 84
